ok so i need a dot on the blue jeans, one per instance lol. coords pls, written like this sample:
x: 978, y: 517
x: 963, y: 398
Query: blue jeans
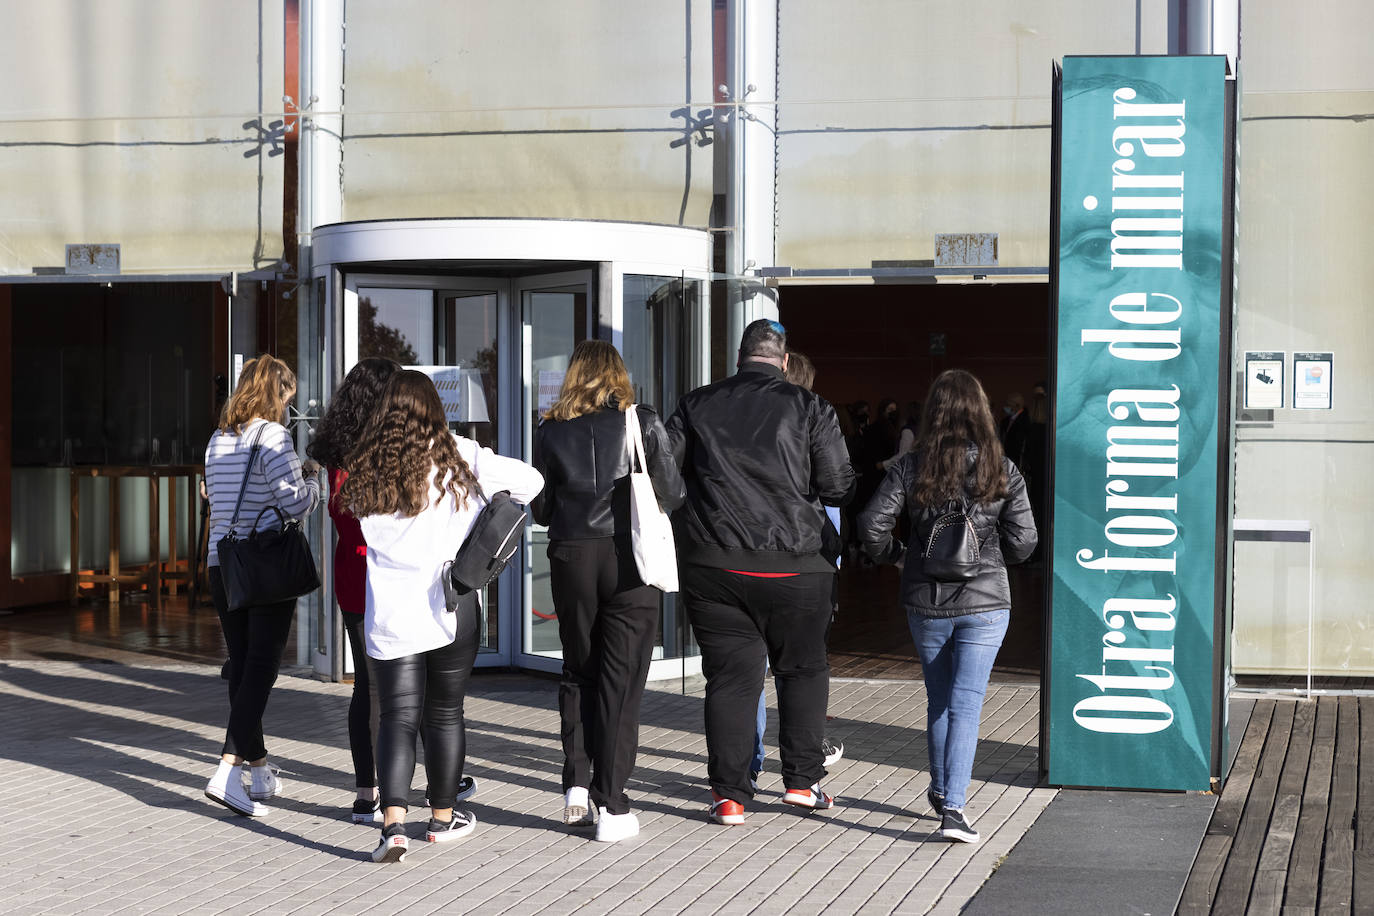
x: 756, y: 765
x: 956, y: 659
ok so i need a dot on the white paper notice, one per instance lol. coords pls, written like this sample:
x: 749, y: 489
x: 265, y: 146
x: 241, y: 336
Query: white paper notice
x: 1312, y: 381
x: 550, y: 383
x: 1264, y: 388
x: 461, y: 391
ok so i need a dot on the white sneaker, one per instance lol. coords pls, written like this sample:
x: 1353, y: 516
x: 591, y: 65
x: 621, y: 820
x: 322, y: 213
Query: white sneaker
x: 266, y: 782
x: 832, y: 752
x: 578, y: 810
x: 754, y: 782
x: 226, y: 788
x: 615, y: 827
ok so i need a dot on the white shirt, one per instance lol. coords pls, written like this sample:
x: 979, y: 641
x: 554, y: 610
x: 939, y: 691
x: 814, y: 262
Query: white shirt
x: 405, y: 612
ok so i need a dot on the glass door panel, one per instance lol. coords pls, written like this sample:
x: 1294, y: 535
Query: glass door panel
x: 556, y: 315
x: 450, y: 330
x: 655, y: 335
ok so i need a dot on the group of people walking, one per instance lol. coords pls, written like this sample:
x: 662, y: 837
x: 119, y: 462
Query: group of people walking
x: 752, y: 468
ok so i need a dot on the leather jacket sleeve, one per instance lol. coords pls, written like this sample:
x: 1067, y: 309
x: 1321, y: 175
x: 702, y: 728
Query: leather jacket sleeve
x: 663, y: 467
x: 542, y: 506
x: 1016, y: 523
x: 878, y: 521
x: 832, y: 475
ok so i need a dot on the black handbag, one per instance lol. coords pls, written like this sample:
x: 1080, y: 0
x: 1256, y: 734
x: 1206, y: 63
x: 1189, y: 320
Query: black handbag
x: 265, y: 567
x: 490, y: 543
x: 950, y: 551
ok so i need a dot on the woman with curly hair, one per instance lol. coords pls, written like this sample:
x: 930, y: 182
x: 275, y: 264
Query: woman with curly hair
x: 336, y: 436
x: 251, y: 466
x: 957, y: 623
x: 413, y: 486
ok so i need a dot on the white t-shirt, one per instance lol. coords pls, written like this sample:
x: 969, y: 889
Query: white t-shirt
x: 405, y: 556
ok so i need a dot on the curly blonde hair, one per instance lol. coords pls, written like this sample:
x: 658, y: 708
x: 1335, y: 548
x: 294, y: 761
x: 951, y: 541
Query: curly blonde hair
x: 265, y: 385
x: 405, y: 445
x: 596, y: 378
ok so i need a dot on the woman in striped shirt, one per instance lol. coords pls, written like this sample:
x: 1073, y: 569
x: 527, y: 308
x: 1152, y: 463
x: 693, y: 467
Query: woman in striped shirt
x: 255, y: 636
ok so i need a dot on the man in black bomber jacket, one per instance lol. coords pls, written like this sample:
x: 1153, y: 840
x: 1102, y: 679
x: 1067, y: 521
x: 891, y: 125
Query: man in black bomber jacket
x: 759, y: 457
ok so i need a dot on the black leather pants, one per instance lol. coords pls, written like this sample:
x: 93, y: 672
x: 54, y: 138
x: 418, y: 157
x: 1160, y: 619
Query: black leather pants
x: 427, y: 687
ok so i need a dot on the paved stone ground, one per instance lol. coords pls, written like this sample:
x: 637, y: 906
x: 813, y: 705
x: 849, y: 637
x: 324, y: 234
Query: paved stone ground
x: 103, y: 768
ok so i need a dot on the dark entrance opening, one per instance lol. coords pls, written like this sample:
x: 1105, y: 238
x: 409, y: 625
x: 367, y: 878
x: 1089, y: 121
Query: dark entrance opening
x: 889, y: 341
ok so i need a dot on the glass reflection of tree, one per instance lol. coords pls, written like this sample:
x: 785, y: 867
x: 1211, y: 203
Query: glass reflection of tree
x: 377, y: 339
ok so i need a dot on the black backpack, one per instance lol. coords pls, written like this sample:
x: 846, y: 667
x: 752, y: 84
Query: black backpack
x: 949, y: 550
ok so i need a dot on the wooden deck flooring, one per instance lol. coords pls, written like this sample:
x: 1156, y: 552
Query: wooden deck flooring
x: 1293, y: 831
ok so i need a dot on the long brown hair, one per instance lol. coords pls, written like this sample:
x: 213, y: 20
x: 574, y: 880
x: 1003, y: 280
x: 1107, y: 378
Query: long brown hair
x: 405, y: 445
x: 956, y: 416
x: 265, y: 385
x: 596, y: 378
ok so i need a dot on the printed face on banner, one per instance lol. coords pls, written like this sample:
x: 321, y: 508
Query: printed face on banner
x: 1139, y: 280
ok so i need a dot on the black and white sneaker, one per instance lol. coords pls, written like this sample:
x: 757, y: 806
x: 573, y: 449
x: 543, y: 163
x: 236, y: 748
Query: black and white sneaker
x: 467, y: 788
x: 833, y: 751
x: 394, y: 844
x: 463, y: 823
x: 367, y: 812
x: 955, y: 826
x: 937, y: 802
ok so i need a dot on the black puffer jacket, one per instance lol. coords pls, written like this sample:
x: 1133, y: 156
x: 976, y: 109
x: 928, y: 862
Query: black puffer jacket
x: 760, y: 456
x: 586, y: 470
x: 1006, y: 534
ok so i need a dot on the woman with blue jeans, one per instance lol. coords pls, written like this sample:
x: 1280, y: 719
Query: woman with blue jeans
x: 957, y: 620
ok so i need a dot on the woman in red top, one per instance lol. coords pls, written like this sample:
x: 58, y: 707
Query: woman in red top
x: 348, y: 412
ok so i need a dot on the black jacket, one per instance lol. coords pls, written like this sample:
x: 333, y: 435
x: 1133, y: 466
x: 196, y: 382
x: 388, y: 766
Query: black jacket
x: 1006, y: 534
x: 760, y: 456
x: 586, y: 470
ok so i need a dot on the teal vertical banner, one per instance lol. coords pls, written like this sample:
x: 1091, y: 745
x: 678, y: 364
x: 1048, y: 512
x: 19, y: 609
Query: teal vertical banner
x: 1139, y: 275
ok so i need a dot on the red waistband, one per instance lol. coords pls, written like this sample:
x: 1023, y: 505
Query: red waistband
x: 763, y: 575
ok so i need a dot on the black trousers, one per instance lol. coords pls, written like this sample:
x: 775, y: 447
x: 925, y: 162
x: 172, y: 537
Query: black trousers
x: 360, y: 706
x: 429, y: 686
x: 737, y: 620
x: 607, y: 621
x: 256, y: 637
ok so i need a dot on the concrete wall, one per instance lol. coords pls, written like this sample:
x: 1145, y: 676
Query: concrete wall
x: 526, y: 108
x: 900, y: 120
x: 125, y: 123
x: 1305, y: 280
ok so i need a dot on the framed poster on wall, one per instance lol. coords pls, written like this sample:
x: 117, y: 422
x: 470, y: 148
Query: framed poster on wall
x: 1264, y: 388
x: 1312, y: 381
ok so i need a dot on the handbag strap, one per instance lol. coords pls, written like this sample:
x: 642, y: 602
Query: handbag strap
x: 476, y: 483
x: 243, y: 486
x: 634, y: 440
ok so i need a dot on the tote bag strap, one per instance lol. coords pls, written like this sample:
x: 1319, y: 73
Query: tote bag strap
x: 243, y: 485
x: 634, y: 440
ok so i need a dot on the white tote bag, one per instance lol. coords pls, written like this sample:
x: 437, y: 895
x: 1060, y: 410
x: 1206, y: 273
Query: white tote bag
x: 650, y: 530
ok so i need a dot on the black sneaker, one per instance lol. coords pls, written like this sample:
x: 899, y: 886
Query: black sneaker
x: 937, y: 802
x: 463, y: 823
x: 394, y: 845
x: 955, y: 826
x: 467, y: 788
x: 366, y: 811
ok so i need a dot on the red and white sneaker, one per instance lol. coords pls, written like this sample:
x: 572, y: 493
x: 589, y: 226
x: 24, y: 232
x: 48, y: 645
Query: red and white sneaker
x: 726, y: 811
x: 813, y: 797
